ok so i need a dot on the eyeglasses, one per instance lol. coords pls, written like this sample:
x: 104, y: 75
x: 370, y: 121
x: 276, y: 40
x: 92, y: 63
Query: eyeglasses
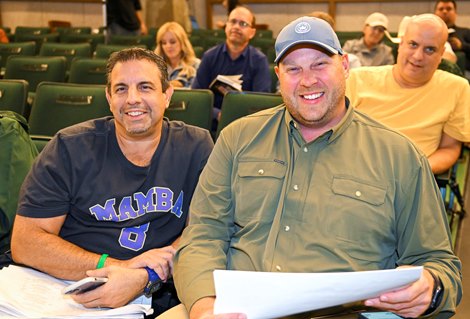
x: 242, y: 24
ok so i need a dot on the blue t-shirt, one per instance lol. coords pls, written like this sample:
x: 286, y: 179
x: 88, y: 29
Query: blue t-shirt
x: 252, y: 64
x: 112, y: 205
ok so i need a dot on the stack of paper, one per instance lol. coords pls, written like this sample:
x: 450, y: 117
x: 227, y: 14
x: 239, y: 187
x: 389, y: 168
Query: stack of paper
x: 262, y: 295
x: 26, y: 292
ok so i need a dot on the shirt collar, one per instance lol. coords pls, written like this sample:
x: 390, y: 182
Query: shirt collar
x: 364, y: 46
x: 243, y: 54
x: 330, y: 135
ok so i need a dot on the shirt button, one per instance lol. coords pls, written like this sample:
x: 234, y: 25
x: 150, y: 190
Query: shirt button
x: 296, y: 187
x: 358, y: 193
x: 286, y: 228
x: 261, y: 172
x: 278, y: 268
x: 305, y: 149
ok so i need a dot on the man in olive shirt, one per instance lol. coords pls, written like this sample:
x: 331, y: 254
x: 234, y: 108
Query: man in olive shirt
x: 314, y: 186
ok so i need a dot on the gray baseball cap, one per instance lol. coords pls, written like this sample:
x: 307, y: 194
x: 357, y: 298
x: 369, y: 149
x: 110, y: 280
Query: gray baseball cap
x: 307, y: 30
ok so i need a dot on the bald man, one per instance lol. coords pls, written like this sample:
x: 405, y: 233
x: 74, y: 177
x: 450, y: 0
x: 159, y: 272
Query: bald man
x: 430, y: 106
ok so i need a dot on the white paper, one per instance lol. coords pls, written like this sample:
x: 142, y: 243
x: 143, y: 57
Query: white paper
x: 25, y: 292
x: 270, y: 295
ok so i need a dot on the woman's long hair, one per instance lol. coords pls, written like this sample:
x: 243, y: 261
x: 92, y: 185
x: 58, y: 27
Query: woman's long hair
x: 188, y: 57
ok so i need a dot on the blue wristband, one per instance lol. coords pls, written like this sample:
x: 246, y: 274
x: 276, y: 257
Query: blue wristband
x: 154, y: 283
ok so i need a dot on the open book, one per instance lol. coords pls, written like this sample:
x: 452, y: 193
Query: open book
x: 28, y: 293
x: 226, y: 83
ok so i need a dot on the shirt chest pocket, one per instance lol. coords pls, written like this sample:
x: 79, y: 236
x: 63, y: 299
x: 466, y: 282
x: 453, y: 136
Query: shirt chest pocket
x: 361, y: 219
x: 371, y: 194
x: 257, y: 190
x: 356, y: 208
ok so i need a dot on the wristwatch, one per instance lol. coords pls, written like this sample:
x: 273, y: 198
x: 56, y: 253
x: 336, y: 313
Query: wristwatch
x: 437, y: 294
x: 153, y: 284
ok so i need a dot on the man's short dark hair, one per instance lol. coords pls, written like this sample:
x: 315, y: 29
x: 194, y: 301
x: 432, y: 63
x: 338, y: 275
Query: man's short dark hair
x: 445, y: 1
x: 137, y: 54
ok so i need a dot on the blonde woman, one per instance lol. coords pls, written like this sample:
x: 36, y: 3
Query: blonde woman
x: 174, y: 46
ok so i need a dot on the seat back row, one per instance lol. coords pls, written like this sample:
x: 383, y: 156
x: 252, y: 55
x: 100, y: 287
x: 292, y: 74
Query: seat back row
x: 58, y: 105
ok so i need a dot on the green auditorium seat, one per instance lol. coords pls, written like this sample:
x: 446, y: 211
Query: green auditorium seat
x: 239, y: 104
x: 88, y: 71
x: 69, y: 103
x: 192, y: 106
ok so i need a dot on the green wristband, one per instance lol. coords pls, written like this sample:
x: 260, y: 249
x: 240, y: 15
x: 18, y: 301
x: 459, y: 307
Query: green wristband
x: 102, y: 261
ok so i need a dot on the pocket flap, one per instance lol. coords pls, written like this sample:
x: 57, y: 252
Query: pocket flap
x: 372, y: 194
x: 261, y: 169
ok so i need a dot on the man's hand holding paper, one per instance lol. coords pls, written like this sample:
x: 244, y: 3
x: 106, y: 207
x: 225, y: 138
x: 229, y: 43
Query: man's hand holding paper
x: 410, y: 301
x: 272, y: 295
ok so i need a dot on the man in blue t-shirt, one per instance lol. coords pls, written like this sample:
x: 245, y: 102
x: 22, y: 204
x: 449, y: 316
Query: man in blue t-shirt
x: 109, y: 197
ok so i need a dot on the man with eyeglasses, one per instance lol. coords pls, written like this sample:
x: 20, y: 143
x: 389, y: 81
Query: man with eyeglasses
x: 235, y: 57
x: 369, y: 48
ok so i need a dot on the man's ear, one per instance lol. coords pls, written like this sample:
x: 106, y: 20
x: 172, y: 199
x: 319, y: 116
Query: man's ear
x: 108, y: 97
x: 276, y: 70
x: 168, y: 94
x: 345, y: 63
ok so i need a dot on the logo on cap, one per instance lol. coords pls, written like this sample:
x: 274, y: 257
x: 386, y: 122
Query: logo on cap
x: 302, y: 27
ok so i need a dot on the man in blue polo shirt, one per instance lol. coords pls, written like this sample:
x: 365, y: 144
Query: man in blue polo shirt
x: 235, y: 57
